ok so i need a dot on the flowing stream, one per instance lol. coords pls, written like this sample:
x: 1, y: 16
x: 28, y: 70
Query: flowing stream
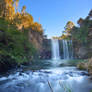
x: 46, y: 76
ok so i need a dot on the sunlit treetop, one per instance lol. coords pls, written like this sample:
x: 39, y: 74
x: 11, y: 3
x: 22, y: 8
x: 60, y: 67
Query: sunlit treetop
x: 69, y: 25
x: 9, y: 9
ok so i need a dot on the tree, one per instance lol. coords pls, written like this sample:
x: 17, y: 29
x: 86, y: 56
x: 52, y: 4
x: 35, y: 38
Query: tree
x: 68, y: 27
x: 23, y: 9
x: 16, y: 2
x: 80, y: 21
x: 63, y: 36
x: 90, y: 13
x: 37, y: 27
x: 2, y: 4
x: 7, y: 9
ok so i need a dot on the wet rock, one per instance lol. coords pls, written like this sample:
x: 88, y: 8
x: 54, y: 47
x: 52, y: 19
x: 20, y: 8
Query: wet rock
x: 81, y: 66
x: 84, y: 73
x: 86, y: 66
x: 71, y: 74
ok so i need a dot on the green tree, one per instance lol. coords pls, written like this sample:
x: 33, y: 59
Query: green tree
x: 90, y: 13
x: 68, y: 27
x: 23, y: 9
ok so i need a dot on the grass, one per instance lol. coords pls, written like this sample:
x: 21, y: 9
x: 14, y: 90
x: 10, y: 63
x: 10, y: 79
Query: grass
x: 66, y: 89
x: 62, y: 85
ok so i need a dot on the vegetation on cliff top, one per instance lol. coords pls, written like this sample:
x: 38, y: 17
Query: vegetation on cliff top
x: 80, y: 33
x: 14, y: 25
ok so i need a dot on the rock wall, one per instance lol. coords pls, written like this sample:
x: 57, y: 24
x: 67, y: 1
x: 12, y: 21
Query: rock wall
x: 61, y: 48
x: 46, y: 50
x: 36, y: 39
x: 83, y: 51
x: 43, y: 45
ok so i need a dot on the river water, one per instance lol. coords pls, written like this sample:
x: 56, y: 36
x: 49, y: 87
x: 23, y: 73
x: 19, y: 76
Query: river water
x: 46, y: 77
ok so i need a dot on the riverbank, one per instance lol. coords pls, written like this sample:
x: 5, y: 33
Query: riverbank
x: 86, y: 66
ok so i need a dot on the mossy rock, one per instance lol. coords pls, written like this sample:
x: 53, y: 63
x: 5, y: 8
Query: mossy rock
x: 81, y: 66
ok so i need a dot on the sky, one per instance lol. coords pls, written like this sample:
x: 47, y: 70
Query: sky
x: 54, y: 14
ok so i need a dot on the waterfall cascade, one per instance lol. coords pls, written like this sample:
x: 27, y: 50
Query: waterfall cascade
x: 67, y: 49
x: 55, y: 49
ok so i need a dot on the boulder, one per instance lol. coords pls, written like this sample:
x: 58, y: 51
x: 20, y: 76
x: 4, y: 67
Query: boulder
x: 82, y: 66
x: 86, y: 66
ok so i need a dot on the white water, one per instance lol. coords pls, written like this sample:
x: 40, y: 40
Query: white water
x: 60, y: 80
x: 67, y: 49
x: 55, y: 49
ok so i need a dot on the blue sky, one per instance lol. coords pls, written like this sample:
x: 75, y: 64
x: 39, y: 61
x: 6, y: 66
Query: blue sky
x: 54, y: 14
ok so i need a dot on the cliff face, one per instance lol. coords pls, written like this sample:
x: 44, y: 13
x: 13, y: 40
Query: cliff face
x: 83, y: 51
x: 89, y: 46
x: 36, y: 39
x: 43, y: 45
x: 80, y: 52
x: 46, y: 50
x: 61, y: 48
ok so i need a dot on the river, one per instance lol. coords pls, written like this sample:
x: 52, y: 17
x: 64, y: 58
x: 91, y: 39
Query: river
x: 46, y: 76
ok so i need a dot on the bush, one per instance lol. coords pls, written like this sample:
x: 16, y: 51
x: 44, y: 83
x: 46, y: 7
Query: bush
x: 14, y: 44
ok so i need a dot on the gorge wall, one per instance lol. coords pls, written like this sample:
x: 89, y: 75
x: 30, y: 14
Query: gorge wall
x: 65, y: 49
x: 42, y: 44
x: 46, y: 50
x: 83, y: 51
x: 36, y: 39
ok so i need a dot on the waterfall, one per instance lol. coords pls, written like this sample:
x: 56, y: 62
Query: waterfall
x: 67, y: 49
x: 55, y: 49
